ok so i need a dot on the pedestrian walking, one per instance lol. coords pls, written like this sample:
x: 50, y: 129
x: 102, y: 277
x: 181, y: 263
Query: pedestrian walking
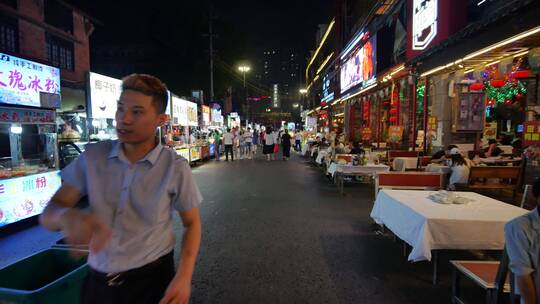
x: 269, y: 142
x: 242, y: 144
x: 217, y: 144
x: 255, y: 143
x: 298, y: 141
x: 228, y: 141
x: 286, y: 144
x: 247, y: 142
x: 133, y: 184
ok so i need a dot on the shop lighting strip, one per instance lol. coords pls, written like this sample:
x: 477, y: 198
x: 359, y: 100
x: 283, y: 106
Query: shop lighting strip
x: 493, y: 62
x: 330, y: 26
x: 485, y: 50
x: 504, y: 42
x: 521, y: 54
x: 324, y: 63
x: 401, y: 68
x: 468, y: 71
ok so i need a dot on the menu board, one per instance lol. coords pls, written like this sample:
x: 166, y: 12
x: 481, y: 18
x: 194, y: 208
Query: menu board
x: 395, y: 134
x: 26, y: 196
x: 531, y: 133
x: 25, y: 116
x: 195, y: 154
x: 490, y: 131
x: 179, y: 111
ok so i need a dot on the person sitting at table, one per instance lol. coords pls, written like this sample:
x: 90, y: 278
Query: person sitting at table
x: 339, y: 147
x: 522, y: 236
x: 442, y: 155
x: 459, y: 169
x: 492, y: 150
x: 357, y: 149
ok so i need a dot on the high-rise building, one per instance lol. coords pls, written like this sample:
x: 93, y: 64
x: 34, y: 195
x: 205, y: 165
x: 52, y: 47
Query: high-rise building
x: 279, y: 73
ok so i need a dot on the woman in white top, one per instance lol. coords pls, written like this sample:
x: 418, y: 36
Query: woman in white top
x: 459, y: 169
x: 269, y: 141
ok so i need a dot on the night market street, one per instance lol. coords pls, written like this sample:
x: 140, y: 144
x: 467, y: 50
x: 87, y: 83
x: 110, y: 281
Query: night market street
x: 280, y: 232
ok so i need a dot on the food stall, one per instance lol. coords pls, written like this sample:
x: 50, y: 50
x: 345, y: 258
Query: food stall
x: 205, y: 123
x: 179, y: 126
x: 193, y: 122
x: 29, y: 176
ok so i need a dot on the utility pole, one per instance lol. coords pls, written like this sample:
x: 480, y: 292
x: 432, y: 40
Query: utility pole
x: 211, y: 37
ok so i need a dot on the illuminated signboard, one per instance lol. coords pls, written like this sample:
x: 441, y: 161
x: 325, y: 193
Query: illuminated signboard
x: 327, y: 89
x: 206, y: 115
x: 179, y: 111
x: 359, y: 67
x: 424, y: 21
x: 193, y: 117
x: 275, y: 96
x: 23, y: 197
x: 22, y: 82
x: 104, y: 94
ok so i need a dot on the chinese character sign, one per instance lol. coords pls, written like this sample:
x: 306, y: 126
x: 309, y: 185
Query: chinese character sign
x: 179, y: 111
x: 26, y: 196
x: 22, y: 81
x: 531, y: 133
x: 104, y: 94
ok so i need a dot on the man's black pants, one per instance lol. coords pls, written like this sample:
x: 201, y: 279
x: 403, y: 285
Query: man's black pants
x: 146, y: 284
x: 228, y: 149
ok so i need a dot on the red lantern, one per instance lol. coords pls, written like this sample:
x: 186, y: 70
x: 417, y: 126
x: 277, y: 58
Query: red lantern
x: 521, y: 74
x: 490, y: 102
x: 508, y: 101
x: 497, y: 83
x: 477, y: 86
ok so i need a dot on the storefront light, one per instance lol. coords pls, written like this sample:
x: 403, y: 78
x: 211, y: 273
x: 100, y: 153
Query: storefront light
x: 521, y: 54
x: 16, y: 129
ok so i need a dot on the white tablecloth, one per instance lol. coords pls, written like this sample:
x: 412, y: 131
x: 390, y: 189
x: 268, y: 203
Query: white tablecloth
x: 402, y: 163
x: 426, y: 225
x: 367, y: 169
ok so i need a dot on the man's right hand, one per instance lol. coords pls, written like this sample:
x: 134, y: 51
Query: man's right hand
x: 81, y: 228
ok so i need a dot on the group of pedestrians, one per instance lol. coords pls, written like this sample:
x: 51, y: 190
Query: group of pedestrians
x: 271, y: 141
x: 238, y: 143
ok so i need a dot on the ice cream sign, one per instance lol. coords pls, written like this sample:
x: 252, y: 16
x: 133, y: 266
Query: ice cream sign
x: 26, y: 196
x: 424, y: 19
x: 23, y: 82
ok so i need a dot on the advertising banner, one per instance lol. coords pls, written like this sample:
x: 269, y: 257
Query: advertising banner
x: 104, y: 94
x: 26, y: 196
x: 22, y: 81
x: 359, y: 67
x: 395, y: 134
x: 25, y: 116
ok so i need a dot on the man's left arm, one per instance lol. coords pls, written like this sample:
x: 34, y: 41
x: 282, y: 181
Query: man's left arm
x: 179, y: 290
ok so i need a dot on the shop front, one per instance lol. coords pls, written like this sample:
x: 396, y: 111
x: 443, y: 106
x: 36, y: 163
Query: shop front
x: 29, y: 176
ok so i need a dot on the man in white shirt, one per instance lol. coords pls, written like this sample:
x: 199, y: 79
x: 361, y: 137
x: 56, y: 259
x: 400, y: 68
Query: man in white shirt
x: 298, y: 141
x: 228, y: 140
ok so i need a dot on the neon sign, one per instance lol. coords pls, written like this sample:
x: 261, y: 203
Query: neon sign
x: 425, y: 17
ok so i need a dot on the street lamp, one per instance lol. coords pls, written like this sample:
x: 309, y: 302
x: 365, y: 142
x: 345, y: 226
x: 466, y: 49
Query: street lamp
x: 244, y: 69
x: 303, y: 91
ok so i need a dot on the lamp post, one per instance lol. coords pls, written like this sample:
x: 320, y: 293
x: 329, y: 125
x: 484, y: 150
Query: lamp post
x: 244, y: 69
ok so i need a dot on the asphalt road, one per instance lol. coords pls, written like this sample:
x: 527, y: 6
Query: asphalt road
x: 280, y: 232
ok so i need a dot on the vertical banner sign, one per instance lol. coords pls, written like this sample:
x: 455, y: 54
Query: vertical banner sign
x: 432, y: 127
x: 424, y: 19
x: 531, y: 133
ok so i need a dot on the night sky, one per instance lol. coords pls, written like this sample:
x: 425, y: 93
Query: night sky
x: 175, y: 28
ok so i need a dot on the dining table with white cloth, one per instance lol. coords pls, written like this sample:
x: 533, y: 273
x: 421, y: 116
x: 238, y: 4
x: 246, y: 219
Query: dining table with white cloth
x: 403, y: 163
x: 428, y: 226
x: 339, y: 171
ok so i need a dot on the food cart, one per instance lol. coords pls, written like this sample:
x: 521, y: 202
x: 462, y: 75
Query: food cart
x: 29, y: 175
